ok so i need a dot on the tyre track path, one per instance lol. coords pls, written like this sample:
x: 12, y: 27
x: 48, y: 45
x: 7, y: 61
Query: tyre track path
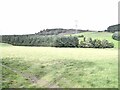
x: 32, y: 79
x: 27, y: 76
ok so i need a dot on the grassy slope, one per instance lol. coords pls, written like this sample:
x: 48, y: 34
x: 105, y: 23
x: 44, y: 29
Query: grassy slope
x: 78, y: 67
x: 60, y: 67
x: 99, y: 35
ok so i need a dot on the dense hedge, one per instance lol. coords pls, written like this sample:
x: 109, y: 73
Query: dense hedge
x: 89, y: 43
x: 66, y: 41
x: 55, y: 41
x: 28, y: 40
x: 116, y: 36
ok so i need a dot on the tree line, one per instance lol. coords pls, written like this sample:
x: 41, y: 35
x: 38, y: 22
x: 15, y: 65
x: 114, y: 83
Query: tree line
x: 113, y: 28
x: 55, y: 41
x: 57, y: 31
x: 33, y: 40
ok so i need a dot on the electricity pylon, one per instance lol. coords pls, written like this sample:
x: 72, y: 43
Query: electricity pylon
x: 76, y: 25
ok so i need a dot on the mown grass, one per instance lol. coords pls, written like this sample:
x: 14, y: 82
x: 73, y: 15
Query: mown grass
x: 59, y: 67
x: 4, y: 45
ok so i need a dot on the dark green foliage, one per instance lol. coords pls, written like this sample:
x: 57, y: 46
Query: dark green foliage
x: 106, y: 44
x: 116, y: 36
x: 66, y: 42
x: 29, y: 40
x: 89, y: 43
x: 113, y: 28
x: 97, y: 43
x: 85, y: 44
x: 80, y: 36
x: 57, y: 31
x: 84, y: 39
x: 55, y: 41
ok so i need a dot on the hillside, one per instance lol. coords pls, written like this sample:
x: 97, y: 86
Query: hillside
x: 47, y: 37
x: 59, y: 31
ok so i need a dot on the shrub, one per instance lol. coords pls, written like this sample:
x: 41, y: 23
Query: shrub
x: 84, y: 39
x: 110, y: 45
x: 89, y: 40
x: 82, y: 44
x: 85, y: 44
x: 104, y: 43
x: 79, y: 36
x: 89, y: 43
x: 66, y: 41
x: 97, y: 44
x: 116, y: 36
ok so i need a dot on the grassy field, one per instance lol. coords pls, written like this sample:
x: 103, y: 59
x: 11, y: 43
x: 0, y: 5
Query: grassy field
x: 51, y: 67
x: 99, y: 35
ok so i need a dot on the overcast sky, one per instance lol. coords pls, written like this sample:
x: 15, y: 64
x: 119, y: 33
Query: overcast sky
x: 31, y: 16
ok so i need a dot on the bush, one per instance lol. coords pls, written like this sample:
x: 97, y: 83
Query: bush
x: 106, y: 44
x: 82, y: 44
x: 110, y: 45
x: 79, y: 36
x: 89, y: 40
x: 116, y: 36
x: 89, y: 43
x: 66, y: 41
x: 85, y: 44
x: 97, y: 44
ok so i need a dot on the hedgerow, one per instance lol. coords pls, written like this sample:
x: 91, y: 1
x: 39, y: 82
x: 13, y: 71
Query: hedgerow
x: 66, y: 41
x: 55, y: 41
x: 96, y: 43
x: 26, y: 40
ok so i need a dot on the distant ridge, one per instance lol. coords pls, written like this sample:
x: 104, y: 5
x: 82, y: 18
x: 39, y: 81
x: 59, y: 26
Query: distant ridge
x: 59, y: 31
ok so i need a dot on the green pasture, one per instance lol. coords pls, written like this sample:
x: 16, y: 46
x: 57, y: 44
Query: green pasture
x: 50, y: 67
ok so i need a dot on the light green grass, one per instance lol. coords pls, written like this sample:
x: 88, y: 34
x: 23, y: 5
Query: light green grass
x: 4, y: 45
x: 60, y: 67
x: 99, y: 35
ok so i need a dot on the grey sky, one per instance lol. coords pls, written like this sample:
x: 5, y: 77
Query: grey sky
x: 30, y: 16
